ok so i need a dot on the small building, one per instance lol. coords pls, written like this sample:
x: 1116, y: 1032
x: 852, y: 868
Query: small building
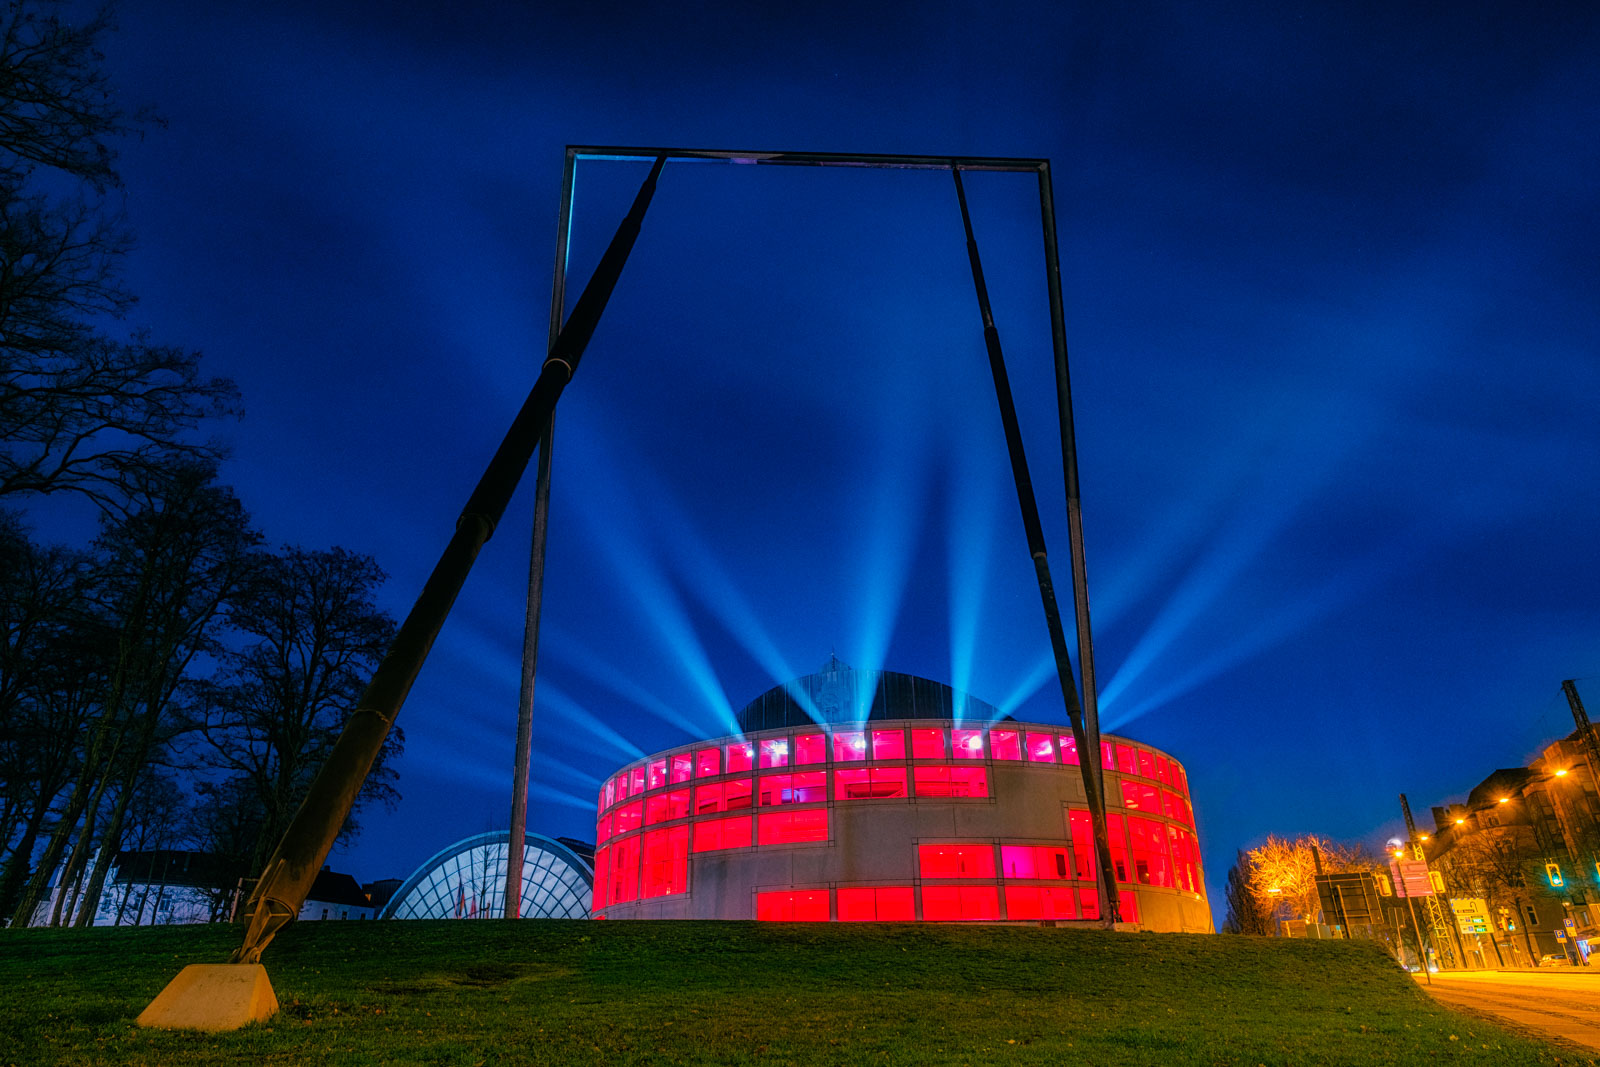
x: 336, y: 896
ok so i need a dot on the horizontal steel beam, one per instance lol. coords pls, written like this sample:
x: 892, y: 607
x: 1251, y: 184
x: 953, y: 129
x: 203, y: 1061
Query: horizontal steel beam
x: 811, y: 159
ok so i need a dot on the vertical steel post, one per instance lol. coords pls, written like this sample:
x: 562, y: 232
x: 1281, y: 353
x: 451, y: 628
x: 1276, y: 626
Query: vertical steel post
x: 1088, y: 759
x: 541, y: 524
x: 1069, y: 470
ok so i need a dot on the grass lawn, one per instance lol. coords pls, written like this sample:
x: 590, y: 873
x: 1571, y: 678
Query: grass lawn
x: 546, y: 992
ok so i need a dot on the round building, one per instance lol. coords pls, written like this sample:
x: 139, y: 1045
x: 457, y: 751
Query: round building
x: 871, y: 795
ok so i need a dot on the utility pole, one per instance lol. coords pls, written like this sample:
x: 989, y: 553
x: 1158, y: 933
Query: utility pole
x: 1438, y: 928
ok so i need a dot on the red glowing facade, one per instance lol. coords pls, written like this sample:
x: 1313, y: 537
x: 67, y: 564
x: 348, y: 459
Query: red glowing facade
x: 841, y: 817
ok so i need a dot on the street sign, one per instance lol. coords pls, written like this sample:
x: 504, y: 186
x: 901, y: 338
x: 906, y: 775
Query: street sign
x: 1411, y: 877
x: 1472, y: 914
x: 1561, y: 935
x: 1350, y: 898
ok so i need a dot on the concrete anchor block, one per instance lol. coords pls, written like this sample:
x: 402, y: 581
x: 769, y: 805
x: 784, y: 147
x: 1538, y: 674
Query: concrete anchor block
x: 213, y: 996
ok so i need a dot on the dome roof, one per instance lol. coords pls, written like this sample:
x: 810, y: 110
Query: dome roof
x: 839, y: 694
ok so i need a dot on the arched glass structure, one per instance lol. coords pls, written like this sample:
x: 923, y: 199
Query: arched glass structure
x: 468, y: 881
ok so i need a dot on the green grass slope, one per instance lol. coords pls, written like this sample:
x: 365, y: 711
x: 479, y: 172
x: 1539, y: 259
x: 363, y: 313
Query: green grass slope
x: 541, y: 992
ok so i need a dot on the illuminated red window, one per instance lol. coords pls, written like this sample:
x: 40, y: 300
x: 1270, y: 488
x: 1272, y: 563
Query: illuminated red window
x: 1163, y: 770
x: 602, y: 877
x: 1081, y: 830
x: 1041, y: 902
x: 1089, y: 903
x: 713, y: 834
x: 1107, y: 759
x: 655, y: 809
x: 682, y: 767
x: 1175, y: 807
x: 1035, y: 861
x: 775, y: 752
x: 1130, y: 906
x: 657, y: 774
x: 1116, y: 831
x: 850, y: 745
x: 956, y: 861
x: 803, y: 907
x: 602, y: 829
x: 888, y: 744
x: 1127, y: 763
x: 676, y: 803
x: 1185, y: 859
x: 622, y: 786
x: 638, y: 780
x: 968, y: 744
x: 629, y: 817
x: 875, y: 784
x: 950, y: 781
x: 810, y: 748
x: 1147, y: 844
x: 1069, y: 749
x: 1180, y: 779
x: 1041, y: 748
x: 610, y: 796
x: 1005, y: 744
x: 955, y: 903
x: 722, y: 796
x: 789, y: 827
x: 806, y: 787
x: 1141, y: 797
x: 708, y: 762
x: 741, y: 757
x: 624, y: 870
x: 666, y: 862
x: 927, y: 744
x: 1147, y: 764
x: 877, y: 904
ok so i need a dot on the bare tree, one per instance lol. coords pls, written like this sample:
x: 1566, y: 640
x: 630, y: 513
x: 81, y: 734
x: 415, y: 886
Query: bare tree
x: 165, y: 572
x: 279, y: 703
x: 1246, y: 913
x: 78, y: 409
x: 1494, y: 864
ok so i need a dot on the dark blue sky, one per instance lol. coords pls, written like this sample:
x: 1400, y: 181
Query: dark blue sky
x: 1331, y: 290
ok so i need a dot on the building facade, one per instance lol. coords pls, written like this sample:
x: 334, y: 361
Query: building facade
x: 1527, y: 841
x: 865, y: 795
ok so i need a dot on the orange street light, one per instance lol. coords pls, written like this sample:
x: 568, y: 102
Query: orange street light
x: 1562, y: 773
x: 1460, y: 821
x: 1504, y: 800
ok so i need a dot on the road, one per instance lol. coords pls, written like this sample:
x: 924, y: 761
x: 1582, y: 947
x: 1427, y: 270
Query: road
x: 1555, y: 1002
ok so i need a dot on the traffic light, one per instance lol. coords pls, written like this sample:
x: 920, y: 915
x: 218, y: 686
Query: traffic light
x: 1554, y: 871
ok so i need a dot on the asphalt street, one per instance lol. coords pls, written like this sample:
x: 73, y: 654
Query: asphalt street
x: 1554, y: 1002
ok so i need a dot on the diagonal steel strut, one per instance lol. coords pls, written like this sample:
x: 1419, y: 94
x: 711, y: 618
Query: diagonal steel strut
x: 1088, y: 759
x: 293, y: 866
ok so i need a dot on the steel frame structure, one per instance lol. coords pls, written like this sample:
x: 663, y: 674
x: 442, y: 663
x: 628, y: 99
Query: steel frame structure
x: 1089, y: 760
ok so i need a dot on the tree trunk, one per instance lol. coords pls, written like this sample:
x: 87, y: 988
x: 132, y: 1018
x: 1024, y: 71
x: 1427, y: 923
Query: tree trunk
x: 72, y: 873
x: 111, y: 839
x: 1527, y: 934
x: 53, y: 851
x: 18, y: 866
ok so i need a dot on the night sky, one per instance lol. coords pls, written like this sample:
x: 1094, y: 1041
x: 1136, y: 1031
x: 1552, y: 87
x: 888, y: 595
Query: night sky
x: 1331, y: 288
